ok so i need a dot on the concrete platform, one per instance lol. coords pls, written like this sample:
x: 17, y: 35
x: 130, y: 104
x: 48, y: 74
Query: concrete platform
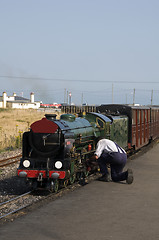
x: 99, y: 211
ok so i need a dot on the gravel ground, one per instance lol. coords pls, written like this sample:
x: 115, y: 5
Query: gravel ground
x: 10, y: 184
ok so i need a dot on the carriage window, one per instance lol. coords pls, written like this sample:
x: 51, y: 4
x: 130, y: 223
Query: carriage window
x: 153, y: 116
x: 138, y: 117
x: 149, y: 116
x: 142, y: 119
x: 100, y: 123
x: 145, y: 116
x: 134, y: 117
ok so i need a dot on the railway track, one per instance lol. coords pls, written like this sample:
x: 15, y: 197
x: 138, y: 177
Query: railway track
x: 9, y: 161
x: 14, y: 205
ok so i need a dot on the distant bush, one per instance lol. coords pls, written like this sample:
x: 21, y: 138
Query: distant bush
x: 4, y: 110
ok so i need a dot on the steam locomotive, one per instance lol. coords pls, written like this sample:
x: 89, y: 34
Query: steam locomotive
x: 56, y: 151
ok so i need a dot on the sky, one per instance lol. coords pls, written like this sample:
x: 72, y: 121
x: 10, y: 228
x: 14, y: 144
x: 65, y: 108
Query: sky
x: 102, y: 51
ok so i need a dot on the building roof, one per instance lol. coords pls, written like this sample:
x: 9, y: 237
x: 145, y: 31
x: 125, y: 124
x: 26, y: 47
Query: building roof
x: 18, y: 98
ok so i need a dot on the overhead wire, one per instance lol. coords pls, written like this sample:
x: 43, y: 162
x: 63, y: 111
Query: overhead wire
x: 77, y: 80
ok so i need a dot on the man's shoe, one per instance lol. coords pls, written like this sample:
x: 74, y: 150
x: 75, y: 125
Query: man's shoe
x: 104, y: 178
x: 130, y: 177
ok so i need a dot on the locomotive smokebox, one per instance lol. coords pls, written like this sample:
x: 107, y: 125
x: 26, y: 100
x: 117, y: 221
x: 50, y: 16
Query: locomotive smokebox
x: 51, y: 116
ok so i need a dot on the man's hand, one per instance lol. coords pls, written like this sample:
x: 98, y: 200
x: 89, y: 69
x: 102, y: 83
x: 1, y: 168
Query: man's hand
x: 92, y: 161
x: 93, y: 158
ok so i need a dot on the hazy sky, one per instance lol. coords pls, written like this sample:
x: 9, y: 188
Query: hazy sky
x: 101, y: 49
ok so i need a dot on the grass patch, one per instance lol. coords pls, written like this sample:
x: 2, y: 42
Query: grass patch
x: 13, y: 122
x: 20, y: 120
x: 4, y: 110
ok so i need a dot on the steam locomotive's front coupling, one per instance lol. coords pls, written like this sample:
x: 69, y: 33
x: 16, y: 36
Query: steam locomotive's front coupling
x: 40, y: 177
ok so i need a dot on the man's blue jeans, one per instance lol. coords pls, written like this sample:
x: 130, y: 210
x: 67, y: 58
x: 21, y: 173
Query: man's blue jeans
x: 117, y: 162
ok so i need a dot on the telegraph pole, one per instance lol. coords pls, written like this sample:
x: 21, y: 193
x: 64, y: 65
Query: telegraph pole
x: 82, y: 99
x: 65, y: 95
x: 151, y: 97
x: 134, y: 97
x: 112, y: 93
x: 69, y: 98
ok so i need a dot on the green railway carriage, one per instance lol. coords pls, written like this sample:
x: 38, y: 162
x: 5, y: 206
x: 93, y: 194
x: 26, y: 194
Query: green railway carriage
x: 111, y: 127
x: 140, y: 126
x: 119, y: 131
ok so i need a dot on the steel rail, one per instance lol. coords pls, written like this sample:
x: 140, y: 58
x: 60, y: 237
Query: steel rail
x: 12, y: 200
x: 14, y: 211
x: 10, y: 163
x: 3, y: 160
x: 5, y: 163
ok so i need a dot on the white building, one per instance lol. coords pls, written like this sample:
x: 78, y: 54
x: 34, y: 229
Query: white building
x: 18, y: 102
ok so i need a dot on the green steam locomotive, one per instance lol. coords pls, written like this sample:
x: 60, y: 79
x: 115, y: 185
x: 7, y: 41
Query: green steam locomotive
x: 56, y: 151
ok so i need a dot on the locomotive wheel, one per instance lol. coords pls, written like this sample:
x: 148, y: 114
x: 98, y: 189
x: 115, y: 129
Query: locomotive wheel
x: 56, y: 186
x: 65, y: 183
x: 72, y: 179
x: 86, y: 173
x: 78, y: 176
x: 82, y: 179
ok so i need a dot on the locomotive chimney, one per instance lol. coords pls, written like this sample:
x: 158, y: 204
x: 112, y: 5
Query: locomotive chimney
x: 51, y: 116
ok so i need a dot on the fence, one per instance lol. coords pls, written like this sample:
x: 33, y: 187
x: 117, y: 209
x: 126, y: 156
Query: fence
x: 77, y: 109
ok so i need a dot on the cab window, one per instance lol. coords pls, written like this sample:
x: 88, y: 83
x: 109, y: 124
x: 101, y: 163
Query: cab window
x: 100, y: 123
